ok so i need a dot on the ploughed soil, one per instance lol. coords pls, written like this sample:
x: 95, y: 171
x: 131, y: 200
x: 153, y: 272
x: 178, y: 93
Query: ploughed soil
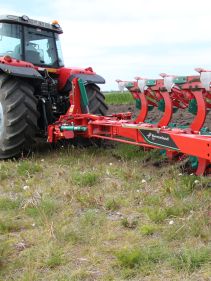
x: 181, y: 117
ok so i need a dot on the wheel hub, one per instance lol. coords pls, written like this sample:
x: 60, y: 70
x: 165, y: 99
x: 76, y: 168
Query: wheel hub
x: 1, y: 120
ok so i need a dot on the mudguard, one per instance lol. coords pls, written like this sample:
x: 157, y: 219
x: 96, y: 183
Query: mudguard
x: 94, y: 78
x: 86, y: 78
x: 21, y: 71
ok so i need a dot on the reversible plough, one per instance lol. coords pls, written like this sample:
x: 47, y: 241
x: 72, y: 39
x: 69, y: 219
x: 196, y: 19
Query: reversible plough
x: 167, y: 94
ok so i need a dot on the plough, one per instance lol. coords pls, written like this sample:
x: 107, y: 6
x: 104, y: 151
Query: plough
x: 167, y: 94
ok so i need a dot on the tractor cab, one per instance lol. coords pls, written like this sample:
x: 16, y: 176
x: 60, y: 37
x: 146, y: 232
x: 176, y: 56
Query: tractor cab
x: 30, y: 40
x: 40, y: 87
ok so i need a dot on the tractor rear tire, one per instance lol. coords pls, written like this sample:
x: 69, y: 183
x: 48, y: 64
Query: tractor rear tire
x: 96, y: 100
x: 18, y: 116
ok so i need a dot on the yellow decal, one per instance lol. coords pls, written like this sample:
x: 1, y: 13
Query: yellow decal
x: 52, y: 70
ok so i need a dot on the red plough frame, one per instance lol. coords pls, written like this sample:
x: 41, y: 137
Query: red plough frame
x: 175, y: 92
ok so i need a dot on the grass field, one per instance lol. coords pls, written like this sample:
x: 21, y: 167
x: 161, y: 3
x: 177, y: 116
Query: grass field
x: 119, y: 98
x: 109, y: 213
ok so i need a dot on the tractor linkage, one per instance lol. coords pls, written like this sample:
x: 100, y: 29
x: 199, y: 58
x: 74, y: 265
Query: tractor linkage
x: 167, y: 94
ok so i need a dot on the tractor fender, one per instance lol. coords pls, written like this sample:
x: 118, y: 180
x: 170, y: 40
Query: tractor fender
x: 21, y: 71
x: 86, y: 78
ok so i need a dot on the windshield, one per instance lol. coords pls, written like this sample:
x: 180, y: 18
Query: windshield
x: 40, y: 47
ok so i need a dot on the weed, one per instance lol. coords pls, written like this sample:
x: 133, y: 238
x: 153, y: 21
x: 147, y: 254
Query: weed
x: 175, y: 232
x: 86, y: 199
x: 9, y: 225
x: 129, y: 222
x: 179, y: 209
x: 4, y: 172
x: 80, y: 275
x: 156, y: 214
x: 112, y: 204
x: 73, y: 235
x: 5, y: 248
x: 29, y: 275
x: 148, y: 229
x: 170, y: 185
x: 87, y: 228
x: 132, y: 258
x: 46, y: 208
x: 7, y: 204
x: 28, y: 168
x: 184, y: 187
x: 91, y: 218
x: 86, y: 179
x: 194, y: 227
x: 55, y: 259
x: 191, y: 259
x: 126, y: 152
x: 152, y: 200
x: 200, y: 227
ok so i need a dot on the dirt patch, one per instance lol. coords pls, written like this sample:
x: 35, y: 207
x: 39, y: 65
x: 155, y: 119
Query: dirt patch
x: 181, y: 117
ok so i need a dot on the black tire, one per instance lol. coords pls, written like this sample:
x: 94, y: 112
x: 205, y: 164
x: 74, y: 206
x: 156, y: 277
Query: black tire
x: 96, y: 99
x: 18, y: 116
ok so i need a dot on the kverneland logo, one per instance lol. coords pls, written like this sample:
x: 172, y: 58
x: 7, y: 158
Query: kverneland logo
x: 158, y: 139
x: 154, y: 137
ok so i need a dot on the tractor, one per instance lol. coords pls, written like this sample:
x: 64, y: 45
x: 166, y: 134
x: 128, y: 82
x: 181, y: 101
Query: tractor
x: 35, y: 84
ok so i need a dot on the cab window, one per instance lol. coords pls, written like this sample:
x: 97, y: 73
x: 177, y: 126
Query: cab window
x: 11, y: 40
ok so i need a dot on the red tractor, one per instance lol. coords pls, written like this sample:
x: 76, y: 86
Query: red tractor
x: 34, y: 84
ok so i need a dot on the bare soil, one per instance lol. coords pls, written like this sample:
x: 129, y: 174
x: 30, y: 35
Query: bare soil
x: 181, y: 117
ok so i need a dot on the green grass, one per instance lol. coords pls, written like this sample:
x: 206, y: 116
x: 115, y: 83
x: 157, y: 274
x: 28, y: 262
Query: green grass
x: 191, y: 259
x: 28, y: 168
x: 148, y: 229
x: 9, y: 225
x: 4, y: 172
x: 9, y: 204
x: 145, y: 258
x: 156, y: 214
x: 141, y: 260
x: 113, y: 204
x: 84, y: 179
x: 102, y: 214
x: 54, y: 259
x: 119, y: 98
x: 44, y: 208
